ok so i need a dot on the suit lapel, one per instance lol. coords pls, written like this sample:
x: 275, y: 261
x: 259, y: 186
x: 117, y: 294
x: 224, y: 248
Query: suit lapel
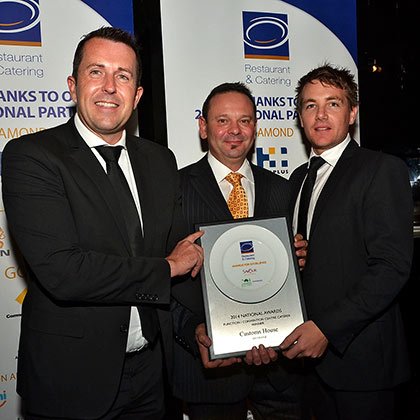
x: 330, y: 186
x: 262, y: 193
x: 141, y: 165
x: 84, y: 158
x: 296, y: 182
x: 204, y: 182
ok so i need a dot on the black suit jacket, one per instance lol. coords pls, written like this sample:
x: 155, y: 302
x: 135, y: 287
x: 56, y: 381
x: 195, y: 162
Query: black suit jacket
x: 359, y: 256
x: 203, y: 202
x: 82, y: 279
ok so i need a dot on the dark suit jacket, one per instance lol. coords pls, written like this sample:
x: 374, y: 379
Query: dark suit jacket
x: 81, y: 278
x: 203, y: 202
x: 359, y: 256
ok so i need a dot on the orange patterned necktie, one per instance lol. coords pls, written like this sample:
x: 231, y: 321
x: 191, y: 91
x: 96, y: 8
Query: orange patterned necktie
x: 237, y: 201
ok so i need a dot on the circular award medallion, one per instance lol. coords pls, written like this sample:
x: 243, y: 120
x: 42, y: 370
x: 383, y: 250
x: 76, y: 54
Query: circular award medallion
x: 249, y: 263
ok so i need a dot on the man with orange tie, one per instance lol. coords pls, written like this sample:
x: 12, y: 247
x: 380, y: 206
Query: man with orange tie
x: 223, y: 185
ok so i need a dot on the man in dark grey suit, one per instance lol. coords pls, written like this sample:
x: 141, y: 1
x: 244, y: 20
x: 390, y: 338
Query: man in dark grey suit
x: 228, y: 123
x: 359, y: 255
x: 96, y: 312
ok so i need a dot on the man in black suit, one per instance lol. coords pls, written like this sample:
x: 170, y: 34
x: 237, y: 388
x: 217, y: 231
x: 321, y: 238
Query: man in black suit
x: 228, y: 123
x: 96, y: 311
x: 359, y: 256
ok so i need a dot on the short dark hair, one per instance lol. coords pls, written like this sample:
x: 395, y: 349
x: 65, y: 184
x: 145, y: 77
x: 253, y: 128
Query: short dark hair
x: 112, y: 34
x: 339, y: 77
x: 225, y: 88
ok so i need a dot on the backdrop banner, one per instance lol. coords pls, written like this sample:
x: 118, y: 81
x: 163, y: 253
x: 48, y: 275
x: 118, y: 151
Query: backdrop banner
x: 267, y: 44
x: 37, y: 42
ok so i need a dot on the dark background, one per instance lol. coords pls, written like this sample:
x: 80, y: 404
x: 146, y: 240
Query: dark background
x: 388, y: 37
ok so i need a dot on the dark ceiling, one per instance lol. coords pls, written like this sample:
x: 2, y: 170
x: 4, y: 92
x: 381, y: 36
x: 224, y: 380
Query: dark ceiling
x: 388, y: 38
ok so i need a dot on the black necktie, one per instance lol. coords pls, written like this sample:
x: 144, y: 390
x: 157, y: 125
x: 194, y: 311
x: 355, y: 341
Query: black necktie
x: 305, y: 196
x: 125, y: 197
x: 131, y: 217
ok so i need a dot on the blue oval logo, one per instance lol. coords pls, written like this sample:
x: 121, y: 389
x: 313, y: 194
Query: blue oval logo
x: 18, y: 15
x: 266, y: 32
x: 246, y: 247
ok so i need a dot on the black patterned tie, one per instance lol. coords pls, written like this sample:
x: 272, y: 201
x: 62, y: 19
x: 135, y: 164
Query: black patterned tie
x: 305, y: 196
x: 131, y: 217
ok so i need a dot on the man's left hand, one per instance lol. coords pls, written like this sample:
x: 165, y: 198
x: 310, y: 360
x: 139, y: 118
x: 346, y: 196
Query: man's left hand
x: 204, y: 342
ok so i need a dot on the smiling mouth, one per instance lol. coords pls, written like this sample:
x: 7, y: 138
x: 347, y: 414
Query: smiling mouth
x: 106, y: 104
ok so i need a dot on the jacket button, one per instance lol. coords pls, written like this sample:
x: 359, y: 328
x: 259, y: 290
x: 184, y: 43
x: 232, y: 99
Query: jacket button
x: 124, y: 328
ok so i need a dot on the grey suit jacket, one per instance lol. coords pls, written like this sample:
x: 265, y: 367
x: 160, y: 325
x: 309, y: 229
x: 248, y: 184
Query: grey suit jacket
x: 359, y: 257
x: 203, y: 202
x: 82, y: 280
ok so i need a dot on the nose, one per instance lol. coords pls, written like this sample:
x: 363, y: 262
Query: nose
x: 109, y: 84
x: 321, y: 113
x: 234, y: 128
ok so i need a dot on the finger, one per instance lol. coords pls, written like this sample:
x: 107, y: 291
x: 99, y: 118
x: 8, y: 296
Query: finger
x: 248, y: 357
x: 197, y: 267
x: 196, y: 270
x: 298, y: 237
x: 290, y: 354
x: 301, y: 245
x: 294, y: 350
x: 289, y: 342
x: 230, y: 361
x: 204, y: 340
x: 256, y: 357
x: 264, y: 357
x: 272, y: 354
x: 199, y: 251
x: 194, y: 236
x: 213, y: 364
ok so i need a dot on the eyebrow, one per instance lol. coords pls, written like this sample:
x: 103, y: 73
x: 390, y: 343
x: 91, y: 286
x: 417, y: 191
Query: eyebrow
x: 328, y: 98
x: 103, y: 66
x: 226, y: 115
x: 334, y: 98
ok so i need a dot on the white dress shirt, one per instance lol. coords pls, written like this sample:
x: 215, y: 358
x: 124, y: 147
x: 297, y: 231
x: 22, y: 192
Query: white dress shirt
x: 220, y: 171
x: 135, y: 337
x: 331, y: 157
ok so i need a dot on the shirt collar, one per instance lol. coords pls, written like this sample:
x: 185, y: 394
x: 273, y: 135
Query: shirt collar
x: 91, y: 139
x: 220, y: 170
x: 332, y: 155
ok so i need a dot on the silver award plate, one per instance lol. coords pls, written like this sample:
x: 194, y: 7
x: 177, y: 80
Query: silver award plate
x: 251, y: 284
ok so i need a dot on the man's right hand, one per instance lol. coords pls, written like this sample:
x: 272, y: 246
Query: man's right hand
x: 186, y: 256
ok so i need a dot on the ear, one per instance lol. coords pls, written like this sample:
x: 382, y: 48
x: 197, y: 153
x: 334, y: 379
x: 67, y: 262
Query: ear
x: 139, y: 94
x: 202, y: 126
x: 300, y: 120
x: 353, y: 114
x: 71, y: 83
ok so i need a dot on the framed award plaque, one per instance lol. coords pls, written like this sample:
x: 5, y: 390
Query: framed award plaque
x: 251, y: 284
